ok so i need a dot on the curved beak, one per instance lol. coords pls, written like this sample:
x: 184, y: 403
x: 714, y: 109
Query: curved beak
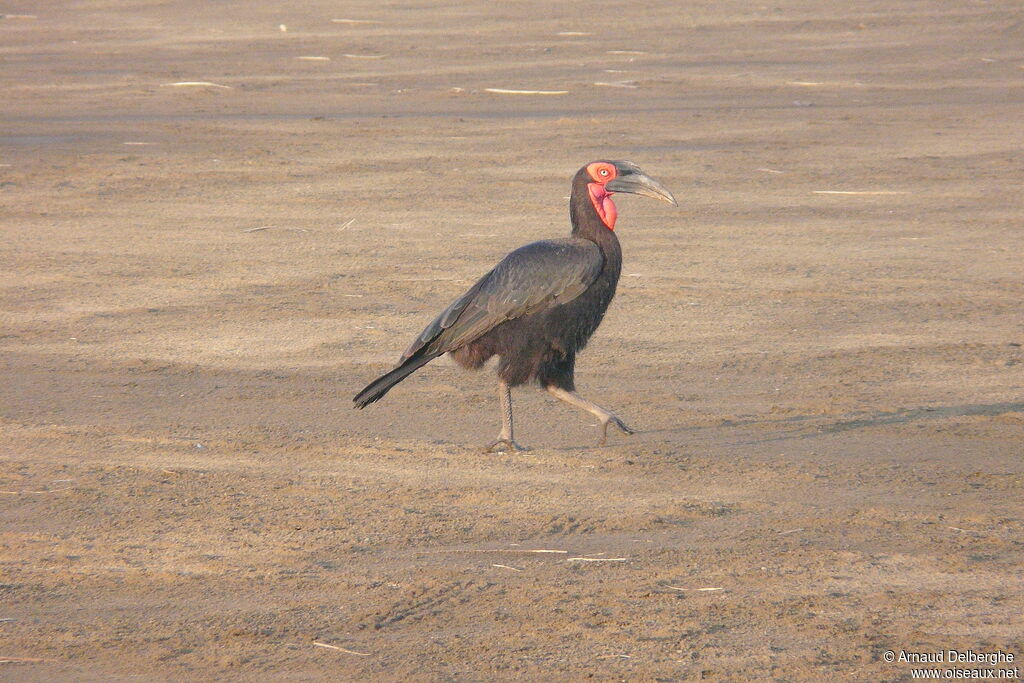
x: 641, y: 184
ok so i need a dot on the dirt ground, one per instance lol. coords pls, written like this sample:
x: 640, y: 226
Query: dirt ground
x: 821, y: 348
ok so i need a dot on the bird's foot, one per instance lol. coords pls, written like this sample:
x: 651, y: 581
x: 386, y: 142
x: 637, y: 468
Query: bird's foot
x: 504, y: 445
x: 613, y: 419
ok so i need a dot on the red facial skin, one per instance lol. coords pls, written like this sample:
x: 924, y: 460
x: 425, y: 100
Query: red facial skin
x: 601, y: 197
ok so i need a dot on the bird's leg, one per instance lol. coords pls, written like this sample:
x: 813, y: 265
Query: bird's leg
x: 572, y: 398
x: 505, y: 439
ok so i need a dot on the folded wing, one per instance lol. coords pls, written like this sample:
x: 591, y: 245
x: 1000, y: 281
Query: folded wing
x: 533, y: 278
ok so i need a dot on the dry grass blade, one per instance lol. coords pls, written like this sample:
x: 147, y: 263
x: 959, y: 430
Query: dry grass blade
x: 497, y: 550
x: 598, y: 559
x: 18, y: 493
x: 696, y: 590
x: 507, y: 91
x: 341, y: 649
x: 615, y: 657
x: 273, y: 227
x: 198, y: 84
x: 865, y: 191
x: 314, y: 58
x: 352, y: 56
x: 536, y: 551
x: 617, y: 84
x: 21, y: 660
x: 505, y: 566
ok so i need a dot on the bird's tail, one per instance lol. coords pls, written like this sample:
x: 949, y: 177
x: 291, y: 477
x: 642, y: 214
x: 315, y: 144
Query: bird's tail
x: 376, y: 389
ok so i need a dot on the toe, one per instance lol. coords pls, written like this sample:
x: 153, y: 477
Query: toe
x: 504, y: 446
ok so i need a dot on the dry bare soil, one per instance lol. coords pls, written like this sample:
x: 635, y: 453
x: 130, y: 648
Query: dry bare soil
x: 821, y: 348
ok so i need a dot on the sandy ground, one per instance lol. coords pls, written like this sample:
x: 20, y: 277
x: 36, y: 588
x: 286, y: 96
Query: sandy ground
x: 196, y: 279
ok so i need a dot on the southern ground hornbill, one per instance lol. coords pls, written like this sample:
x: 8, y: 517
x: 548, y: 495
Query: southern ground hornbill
x: 538, y: 307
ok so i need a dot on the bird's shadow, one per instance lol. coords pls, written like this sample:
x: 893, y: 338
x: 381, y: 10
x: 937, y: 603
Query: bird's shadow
x: 926, y: 413
x: 864, y: 421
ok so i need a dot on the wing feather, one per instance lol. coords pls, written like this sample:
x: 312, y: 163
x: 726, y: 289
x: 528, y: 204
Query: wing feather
x: 530, y: 279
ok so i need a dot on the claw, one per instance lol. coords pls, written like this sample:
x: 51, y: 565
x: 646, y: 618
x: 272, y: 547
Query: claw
x: 626, y: 429
x: 612, y: 419
x: 508, y: 446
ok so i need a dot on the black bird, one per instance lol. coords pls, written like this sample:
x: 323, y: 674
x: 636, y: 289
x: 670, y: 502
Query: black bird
x: 538, y: 307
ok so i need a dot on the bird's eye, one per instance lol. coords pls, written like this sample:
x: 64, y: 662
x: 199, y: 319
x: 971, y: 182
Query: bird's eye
x: 601, y: 172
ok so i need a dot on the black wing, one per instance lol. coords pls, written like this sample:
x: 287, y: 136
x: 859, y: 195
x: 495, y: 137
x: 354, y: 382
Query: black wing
x: 530, y: 279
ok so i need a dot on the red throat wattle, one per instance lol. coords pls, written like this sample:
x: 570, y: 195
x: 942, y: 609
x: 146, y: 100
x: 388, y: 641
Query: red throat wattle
x: 603, y: 204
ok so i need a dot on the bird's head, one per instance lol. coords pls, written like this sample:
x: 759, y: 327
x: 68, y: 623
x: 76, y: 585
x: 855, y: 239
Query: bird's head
x: 604, y: 178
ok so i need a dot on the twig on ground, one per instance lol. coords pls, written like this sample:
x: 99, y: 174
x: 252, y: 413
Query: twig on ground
x: 340, y: 649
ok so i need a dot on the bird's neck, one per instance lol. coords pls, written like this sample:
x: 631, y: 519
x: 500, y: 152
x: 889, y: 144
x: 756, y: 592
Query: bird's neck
x: 587, y: 223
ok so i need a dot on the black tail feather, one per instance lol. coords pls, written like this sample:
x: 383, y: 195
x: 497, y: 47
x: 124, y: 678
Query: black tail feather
x: 376, y: 389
